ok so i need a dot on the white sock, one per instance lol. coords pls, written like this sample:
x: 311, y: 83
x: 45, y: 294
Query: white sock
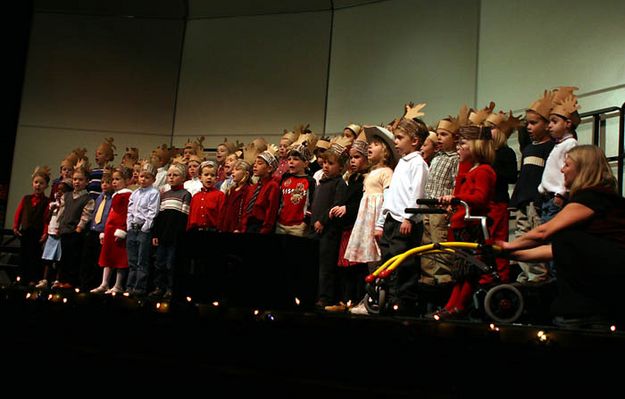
x: 106, y: 276
x: 119, y: 279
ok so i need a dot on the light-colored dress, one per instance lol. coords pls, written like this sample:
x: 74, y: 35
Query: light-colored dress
x: 362, y: 246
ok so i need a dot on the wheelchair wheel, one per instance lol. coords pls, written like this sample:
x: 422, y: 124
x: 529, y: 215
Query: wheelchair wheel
x: 504, y: 303
x: 375, y: 299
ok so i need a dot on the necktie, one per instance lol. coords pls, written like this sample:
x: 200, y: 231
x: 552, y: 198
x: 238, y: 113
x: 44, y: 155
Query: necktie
x: 252, y: 201
x: 98, y: 215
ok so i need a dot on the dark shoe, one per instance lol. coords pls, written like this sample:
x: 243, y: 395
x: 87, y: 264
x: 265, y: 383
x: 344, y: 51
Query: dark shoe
x: 157, y: 293
x: 168, y: 294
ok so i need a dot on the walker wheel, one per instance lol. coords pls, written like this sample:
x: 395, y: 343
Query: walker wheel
x: 375, y: 299
x: 504, y: 303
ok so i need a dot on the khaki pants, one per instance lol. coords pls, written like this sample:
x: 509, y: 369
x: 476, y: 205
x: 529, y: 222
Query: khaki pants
x: 435, y: 229
x: 528, y: 218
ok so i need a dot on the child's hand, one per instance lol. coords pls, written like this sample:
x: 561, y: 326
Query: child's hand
x: 43, y: 238
x: 155, y: 241
x: 405, y: 228
x: 318, y: 227
x: 17, y: 232
x: 338, y: 211
x: 377, y: 234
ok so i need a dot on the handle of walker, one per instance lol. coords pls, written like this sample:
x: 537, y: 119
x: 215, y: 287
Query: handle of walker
x: 435, y: 201
x: 424, y: 210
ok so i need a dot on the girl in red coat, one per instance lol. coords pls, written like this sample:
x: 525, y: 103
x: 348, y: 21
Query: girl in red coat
x: 113, y: 254
x: 475, y: 186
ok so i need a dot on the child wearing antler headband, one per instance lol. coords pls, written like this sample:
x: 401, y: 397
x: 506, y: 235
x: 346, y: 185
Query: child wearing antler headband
x: 78, y: 206
x: 28, y: 225
x: 563, y: 120
x: 525, y: 197
x: 104, y: 154
x: 396, y: 230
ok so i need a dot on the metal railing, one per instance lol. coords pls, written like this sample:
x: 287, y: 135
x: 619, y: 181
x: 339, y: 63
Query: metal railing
x: 598, y: 124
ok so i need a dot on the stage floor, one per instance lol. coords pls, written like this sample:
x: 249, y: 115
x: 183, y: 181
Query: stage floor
x: 74, y: 338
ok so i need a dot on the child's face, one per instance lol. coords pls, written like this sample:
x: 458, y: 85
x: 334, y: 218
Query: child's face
x: 319, y: 156
x: 66, y: 172
x: 118, y: 182
x: 221, y: 154
x: 357, y: 162
x: 404, y: 143
x: 558, y: 126
x: 156, y: 161
x: 229, y: 163
x: 136, y: 170
x: 297, y: 166
x: 145, y: 179
x: 187, y: 152
x: 283, y: 148
x: 464, y: 151
x: 239, y: 175
x: 39, y: 185
x: 331, y: 168
x: 105, y: 185
x: 79, y: 181
x: 208, y: 176
x: 100, y: 158
x: 536, y: 126
x: 375, y: 154
x: 348, y: 133
x: 428, y: 149
x: 446, y: 140
x: 175, y: 177
x: 192, y: 169
x: 261, y: 168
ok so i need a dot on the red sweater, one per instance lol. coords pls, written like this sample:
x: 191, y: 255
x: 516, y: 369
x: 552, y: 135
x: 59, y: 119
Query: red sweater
x: 477, y: 188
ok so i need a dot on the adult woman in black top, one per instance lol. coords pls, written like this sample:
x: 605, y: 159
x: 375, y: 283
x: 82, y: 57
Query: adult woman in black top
x: 586, y: 241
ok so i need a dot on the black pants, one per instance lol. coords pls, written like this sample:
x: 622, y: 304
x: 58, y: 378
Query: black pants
x: 404, y: 282
x: 590, y: 275
x: 90, y: 271
x: 30, y: 256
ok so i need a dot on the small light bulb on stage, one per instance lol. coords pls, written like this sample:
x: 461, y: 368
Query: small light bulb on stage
x: 64, y: 300
x: 215, y: 304
x: 297, y: 301
x: 158, y: 305
x: 77, y: 290
x: 349, y: 304
x: 396, y: 307
x: 18, y: 279
x: 256, y: 312
x: 188, y: 299
x: 126, y: 294
x: 613, y: 328
x: 49, y: 297
x: 437, y: 317
x: 27, y: 295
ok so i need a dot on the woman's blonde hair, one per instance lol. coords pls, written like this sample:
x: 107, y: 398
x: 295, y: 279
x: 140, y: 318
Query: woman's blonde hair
x: 592, y: 167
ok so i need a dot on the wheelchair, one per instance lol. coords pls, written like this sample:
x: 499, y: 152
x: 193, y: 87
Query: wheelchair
x: 499, y: 302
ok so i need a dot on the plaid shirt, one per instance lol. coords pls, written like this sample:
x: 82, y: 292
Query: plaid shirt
x: 442, y: 177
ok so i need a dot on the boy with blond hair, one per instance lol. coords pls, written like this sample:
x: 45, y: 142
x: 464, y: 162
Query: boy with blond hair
x: 396, y: 230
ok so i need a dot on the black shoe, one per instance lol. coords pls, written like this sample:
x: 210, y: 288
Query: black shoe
x: 168, y: 294
x: 157, y: 293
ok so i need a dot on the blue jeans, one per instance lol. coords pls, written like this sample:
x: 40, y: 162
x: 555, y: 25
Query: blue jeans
x: 549, y: 210
x: 138, y: 246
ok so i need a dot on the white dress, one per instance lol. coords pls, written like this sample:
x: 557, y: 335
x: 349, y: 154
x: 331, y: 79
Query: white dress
x: 362, y: 246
